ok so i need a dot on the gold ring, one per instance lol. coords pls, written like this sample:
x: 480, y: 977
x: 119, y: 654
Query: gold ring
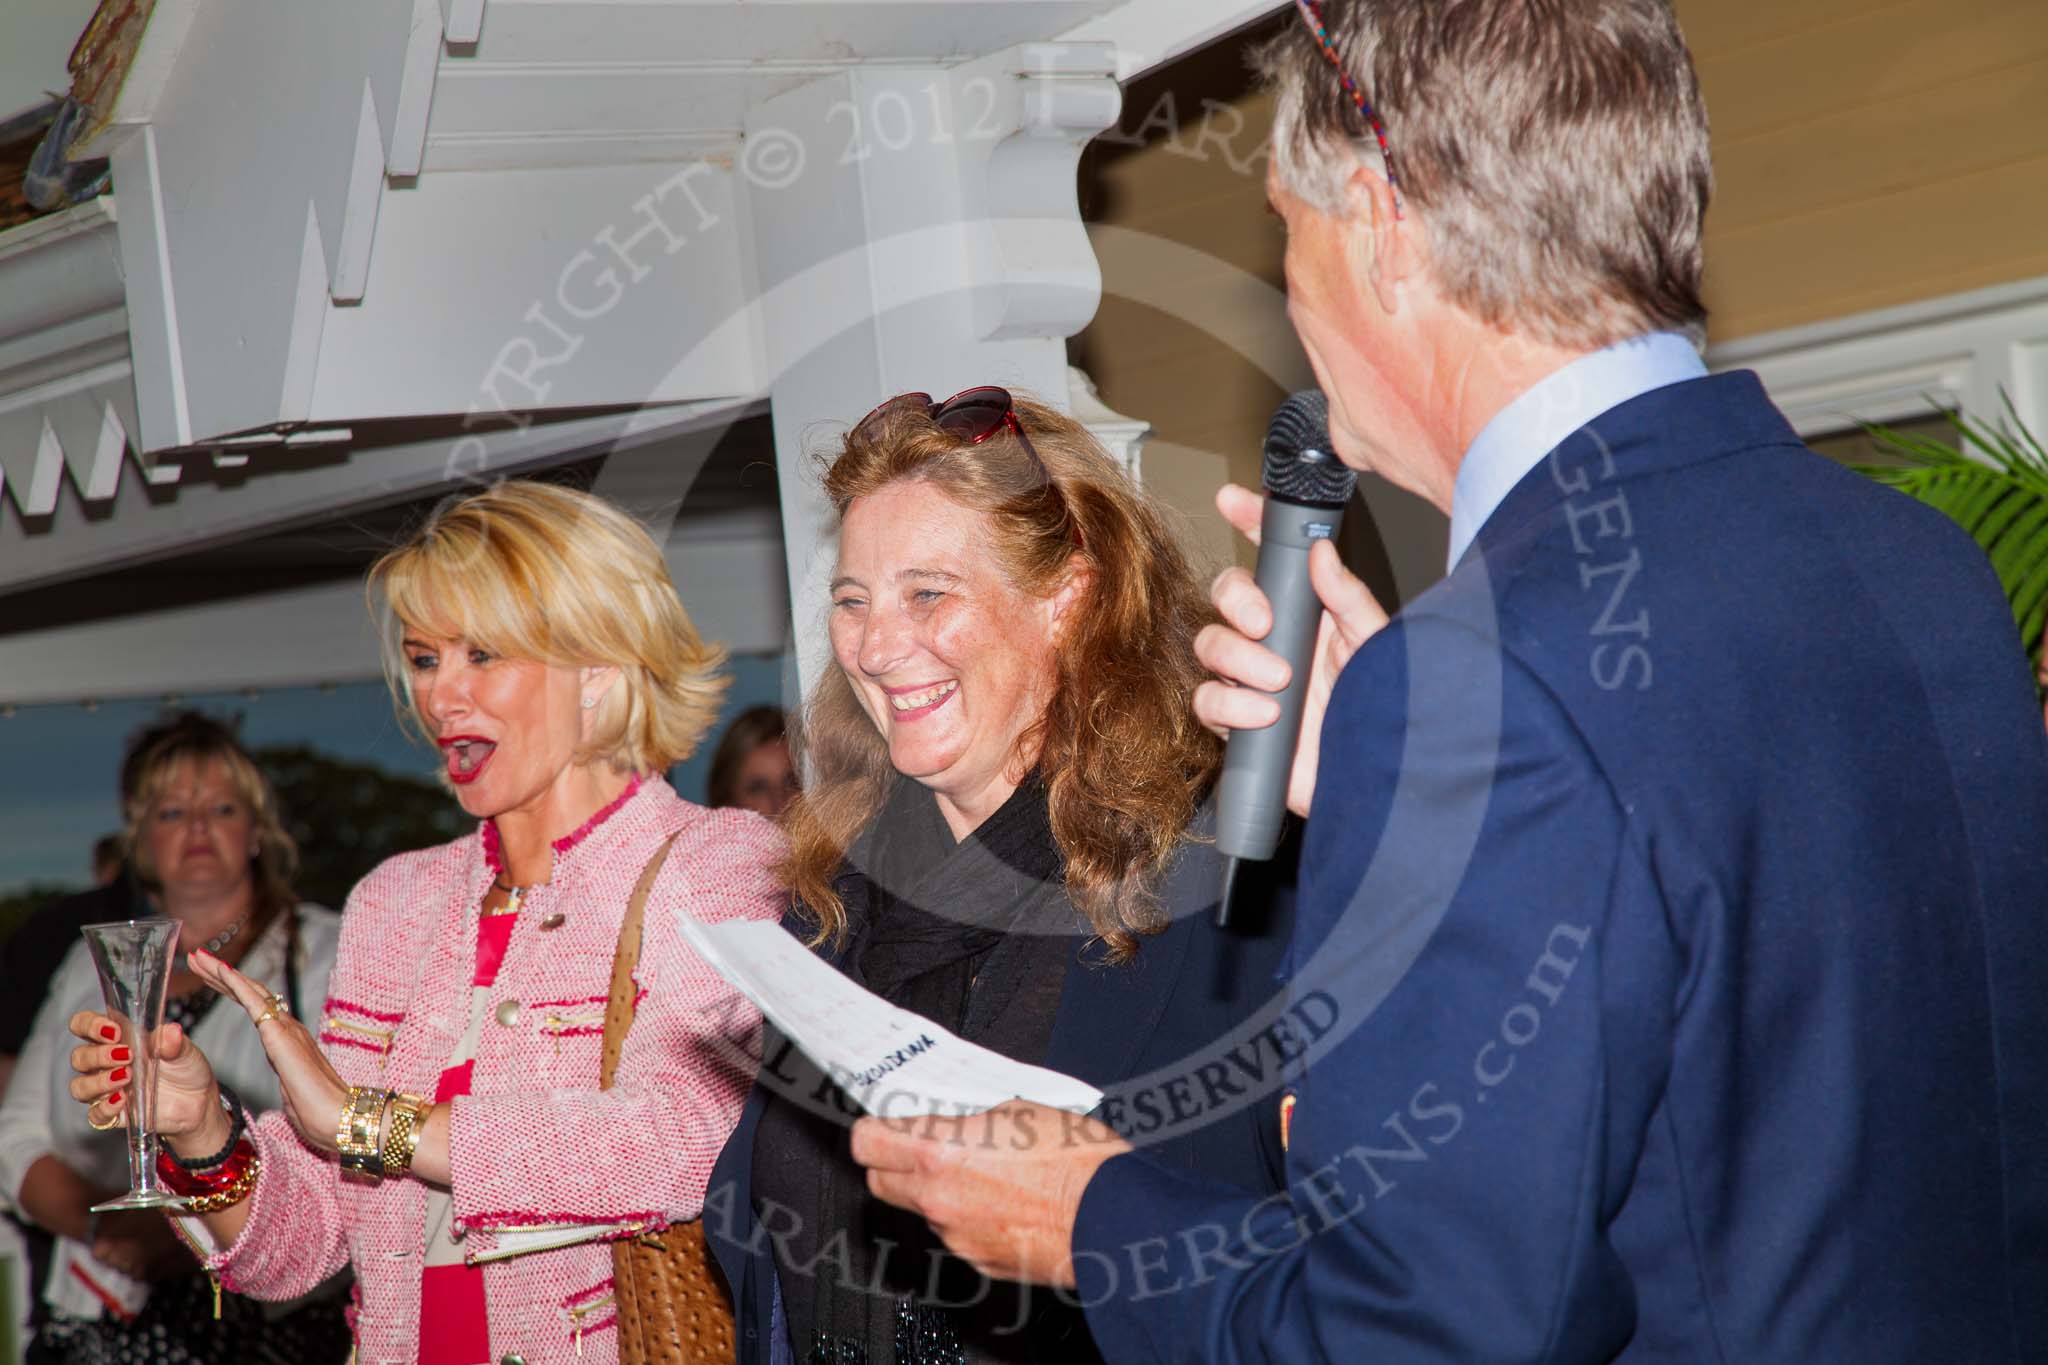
x: 101, y: 1127
x: 272, y: 1013
x: 279, y: 1003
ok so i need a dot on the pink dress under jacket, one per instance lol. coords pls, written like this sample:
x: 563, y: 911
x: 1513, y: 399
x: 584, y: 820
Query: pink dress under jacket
x: 534, y: 1142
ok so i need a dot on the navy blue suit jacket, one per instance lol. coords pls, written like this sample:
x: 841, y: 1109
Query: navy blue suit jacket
x: 1135, y: 1031
x: 1681, y: 866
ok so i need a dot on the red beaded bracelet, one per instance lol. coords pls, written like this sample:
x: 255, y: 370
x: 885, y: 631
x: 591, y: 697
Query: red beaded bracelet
x: 190, y: 1184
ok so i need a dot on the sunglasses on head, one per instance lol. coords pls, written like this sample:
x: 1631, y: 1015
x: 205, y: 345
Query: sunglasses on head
x: 973, y: 415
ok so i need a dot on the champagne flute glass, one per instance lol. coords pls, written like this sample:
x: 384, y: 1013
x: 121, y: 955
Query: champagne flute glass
x: 133, y: 958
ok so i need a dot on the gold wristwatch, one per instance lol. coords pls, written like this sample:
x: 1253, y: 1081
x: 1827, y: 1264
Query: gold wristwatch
x: 406, y: 1117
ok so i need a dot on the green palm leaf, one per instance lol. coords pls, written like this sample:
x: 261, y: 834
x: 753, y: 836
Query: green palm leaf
x: 1994, y: 483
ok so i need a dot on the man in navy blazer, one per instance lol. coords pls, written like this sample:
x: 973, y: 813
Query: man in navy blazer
x: 1680, y: 863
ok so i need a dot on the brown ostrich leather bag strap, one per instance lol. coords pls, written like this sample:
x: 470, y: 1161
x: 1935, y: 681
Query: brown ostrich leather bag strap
x: 672, y: 1305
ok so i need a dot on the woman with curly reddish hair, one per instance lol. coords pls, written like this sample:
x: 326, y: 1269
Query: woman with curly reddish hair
x: 1001, y: 828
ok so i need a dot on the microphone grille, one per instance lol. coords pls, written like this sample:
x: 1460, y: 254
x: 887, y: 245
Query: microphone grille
x: 1300, y: 466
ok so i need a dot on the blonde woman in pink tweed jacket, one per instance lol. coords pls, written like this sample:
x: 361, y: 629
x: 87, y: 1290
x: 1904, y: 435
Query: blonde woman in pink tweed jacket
x: 539, y: 643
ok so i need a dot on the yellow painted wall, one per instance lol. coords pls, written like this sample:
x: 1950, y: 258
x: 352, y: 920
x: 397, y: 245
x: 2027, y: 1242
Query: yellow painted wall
x: 1867, y: 152
x: 1167, y: 178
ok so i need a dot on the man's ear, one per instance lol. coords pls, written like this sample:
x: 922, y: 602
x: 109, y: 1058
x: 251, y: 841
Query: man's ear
x: 1385, y: 241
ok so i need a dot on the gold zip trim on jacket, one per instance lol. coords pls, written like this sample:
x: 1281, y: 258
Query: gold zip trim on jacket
x: 212, y: 1275
x: 379, y: 1035
x: 591, y: 1232
x: 580, y: 1312
x: 555, y: 1025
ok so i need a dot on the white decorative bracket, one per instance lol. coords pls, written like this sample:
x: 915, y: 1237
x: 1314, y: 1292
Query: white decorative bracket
x: 1041, y: 273
x: 1123, y: 437
x: 84, y: 435
x: 463, y: 20
x: 269, y: 203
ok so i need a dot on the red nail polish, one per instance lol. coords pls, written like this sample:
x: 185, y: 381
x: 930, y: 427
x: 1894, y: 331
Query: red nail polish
x: 120, y: 1054
x: 114, y: 1098
x: 120, y: 1074
x: 109, y: 1032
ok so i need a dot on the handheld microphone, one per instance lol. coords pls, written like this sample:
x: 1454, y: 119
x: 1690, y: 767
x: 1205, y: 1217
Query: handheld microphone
x: 1306, y: 489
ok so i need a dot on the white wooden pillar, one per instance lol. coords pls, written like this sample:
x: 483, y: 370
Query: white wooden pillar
x: 914, y: 228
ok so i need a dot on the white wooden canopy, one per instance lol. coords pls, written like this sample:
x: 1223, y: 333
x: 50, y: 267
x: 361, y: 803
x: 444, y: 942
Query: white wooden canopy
x: 358, y: 253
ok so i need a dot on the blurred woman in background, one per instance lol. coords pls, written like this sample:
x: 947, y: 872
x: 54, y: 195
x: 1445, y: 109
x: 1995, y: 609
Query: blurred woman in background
x: 207, y: 846
x: 751, y: 767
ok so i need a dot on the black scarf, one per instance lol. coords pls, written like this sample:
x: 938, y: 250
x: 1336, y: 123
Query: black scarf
x: 977, y: 937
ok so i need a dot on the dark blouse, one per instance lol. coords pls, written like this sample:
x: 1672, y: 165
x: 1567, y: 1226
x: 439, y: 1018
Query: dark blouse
x: 975, y: 935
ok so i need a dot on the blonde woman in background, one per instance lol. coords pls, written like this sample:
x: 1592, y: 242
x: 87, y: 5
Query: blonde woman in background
x: 209, y: 850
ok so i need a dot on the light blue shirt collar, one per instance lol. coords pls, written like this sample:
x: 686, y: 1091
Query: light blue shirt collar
x: 1538, y: 421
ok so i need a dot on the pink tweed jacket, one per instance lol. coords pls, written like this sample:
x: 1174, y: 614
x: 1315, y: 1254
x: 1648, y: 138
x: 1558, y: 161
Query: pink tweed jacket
x: 535, y: 1142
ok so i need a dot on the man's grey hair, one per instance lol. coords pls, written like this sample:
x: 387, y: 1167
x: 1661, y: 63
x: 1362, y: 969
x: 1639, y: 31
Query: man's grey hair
x: 1555, y: 151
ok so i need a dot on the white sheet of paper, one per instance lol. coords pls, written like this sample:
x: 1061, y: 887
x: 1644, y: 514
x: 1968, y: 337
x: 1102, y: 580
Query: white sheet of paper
x: 890, y: 1061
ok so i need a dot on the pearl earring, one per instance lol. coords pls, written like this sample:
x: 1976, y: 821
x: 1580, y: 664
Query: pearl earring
x: 589, y: 703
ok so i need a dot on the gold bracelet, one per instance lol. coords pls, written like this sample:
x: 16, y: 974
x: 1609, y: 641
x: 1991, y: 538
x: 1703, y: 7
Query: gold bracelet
x: 348, y: 1130
x: 403, y: 1120
x: 234, y: 1192
x: 359, y: 1141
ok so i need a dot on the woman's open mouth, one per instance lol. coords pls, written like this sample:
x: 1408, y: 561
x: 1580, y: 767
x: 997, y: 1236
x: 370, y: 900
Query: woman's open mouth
x: 925, y: 700
x: 466, y: 757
